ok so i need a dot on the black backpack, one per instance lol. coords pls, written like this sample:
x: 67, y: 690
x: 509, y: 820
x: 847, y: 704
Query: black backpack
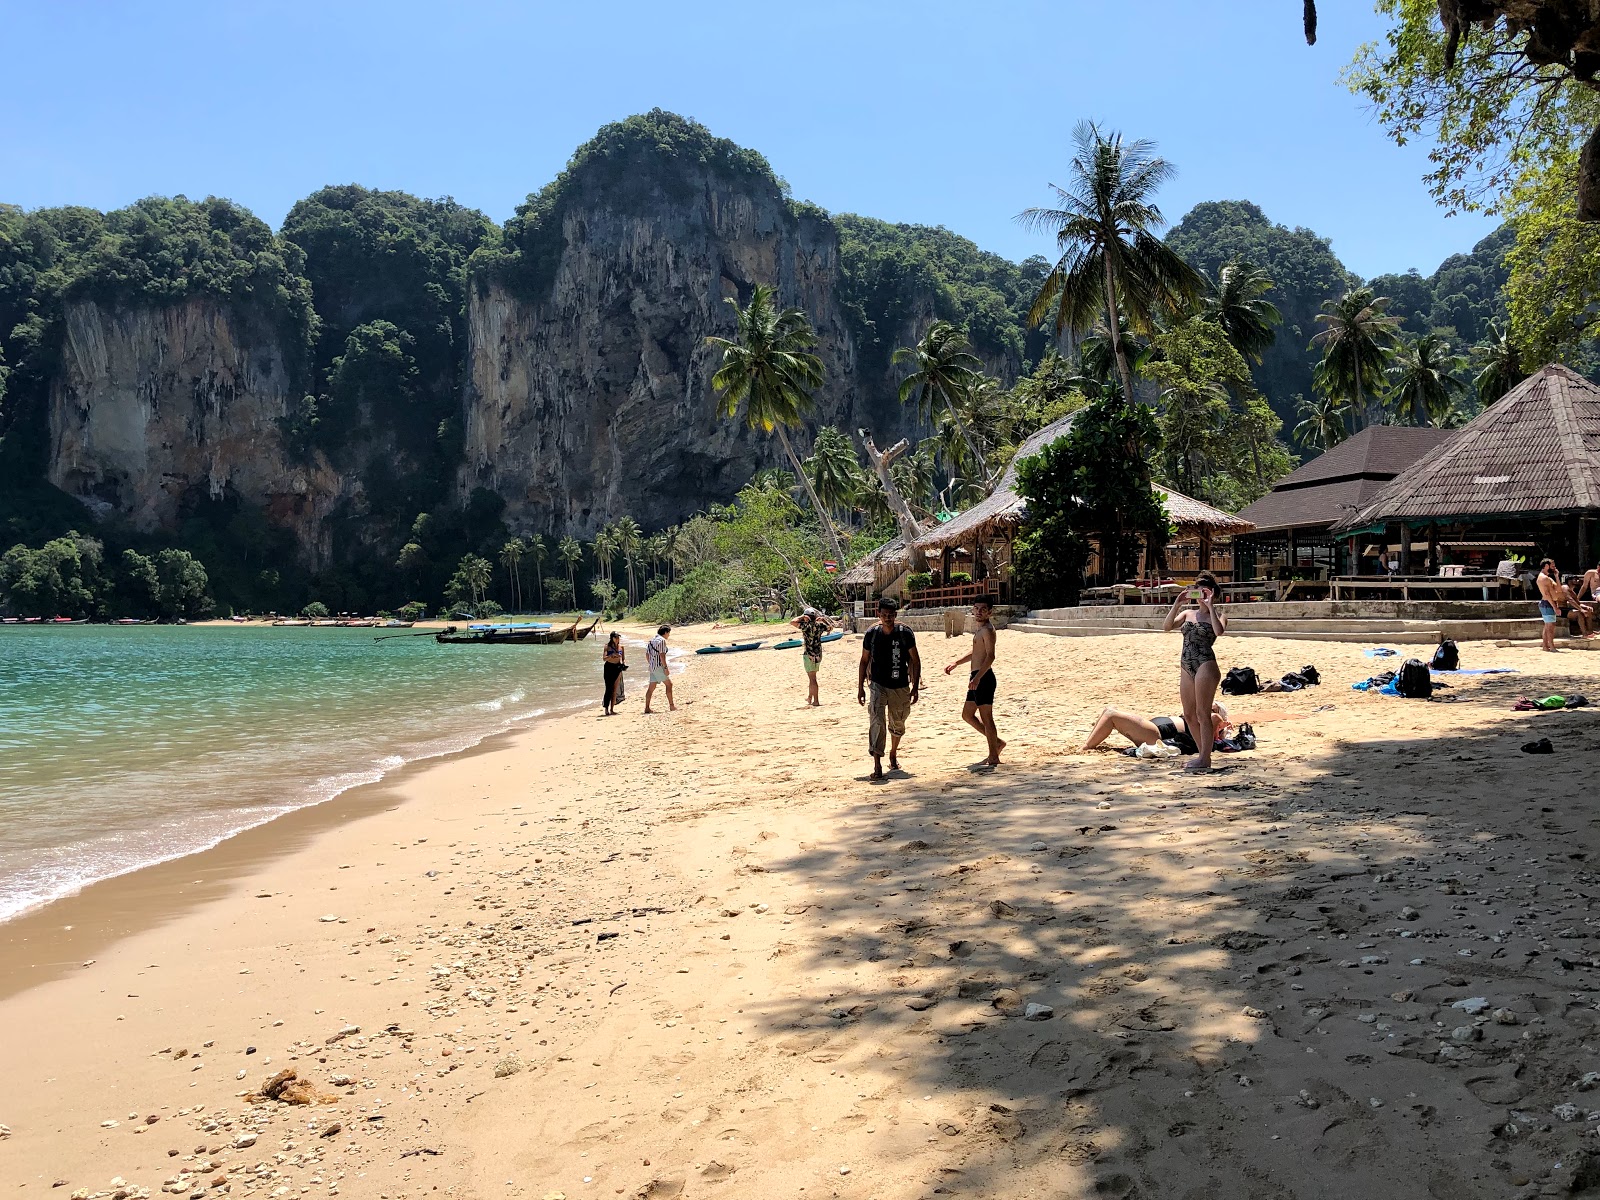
x: 1446, y: 657
x: 1241, y: 681
x: 1414, y: 681
x: 1309, y: 674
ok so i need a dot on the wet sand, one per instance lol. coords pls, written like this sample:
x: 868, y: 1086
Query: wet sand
x: 698, y: 954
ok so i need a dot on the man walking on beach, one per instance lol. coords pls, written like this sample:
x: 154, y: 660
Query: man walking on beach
x: 889, y: 656
x: 978, y: 711
x: 1550, y: 590
x: 812, y: 625
x: 655, y: 653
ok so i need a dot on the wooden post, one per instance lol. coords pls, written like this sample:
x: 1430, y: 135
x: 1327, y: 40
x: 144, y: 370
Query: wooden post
x: 1405, y: 549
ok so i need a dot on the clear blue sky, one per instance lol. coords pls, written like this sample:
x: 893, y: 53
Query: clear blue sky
x: 936, y: 112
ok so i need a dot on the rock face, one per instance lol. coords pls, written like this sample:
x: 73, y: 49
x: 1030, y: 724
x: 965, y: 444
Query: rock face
x: 156, y: 406
x: 595, y: 400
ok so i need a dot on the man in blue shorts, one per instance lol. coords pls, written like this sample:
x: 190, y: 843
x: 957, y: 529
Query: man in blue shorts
x: 1550, y: 601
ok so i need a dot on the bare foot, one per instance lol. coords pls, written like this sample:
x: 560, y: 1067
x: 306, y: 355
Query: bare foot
x: 1196, y: 767
x: 994, y: 755
x: 894, y: 763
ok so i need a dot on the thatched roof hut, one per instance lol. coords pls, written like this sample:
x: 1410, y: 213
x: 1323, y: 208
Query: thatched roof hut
x: 879, y: 569
x: 1532, y: 454
x: 1004, y: 510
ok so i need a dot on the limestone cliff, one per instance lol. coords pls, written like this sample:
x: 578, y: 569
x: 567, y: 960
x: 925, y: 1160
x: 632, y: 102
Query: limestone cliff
x: 154, y: 406
x: 593, y: 399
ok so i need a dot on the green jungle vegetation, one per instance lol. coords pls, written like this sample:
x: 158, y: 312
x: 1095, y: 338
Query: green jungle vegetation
x: 1227, y: 346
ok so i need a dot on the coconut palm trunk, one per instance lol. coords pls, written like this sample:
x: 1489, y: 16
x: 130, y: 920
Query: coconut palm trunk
x: 1124, y: 371
x: 828, y: 530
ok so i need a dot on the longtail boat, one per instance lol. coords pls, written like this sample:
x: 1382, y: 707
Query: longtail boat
x: 452, y: 636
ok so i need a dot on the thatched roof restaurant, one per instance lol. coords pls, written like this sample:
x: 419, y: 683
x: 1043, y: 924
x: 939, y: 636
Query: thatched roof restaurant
x: 1527, y: 467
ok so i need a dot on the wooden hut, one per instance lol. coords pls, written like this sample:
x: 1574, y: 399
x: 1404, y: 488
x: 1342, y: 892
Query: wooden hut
x: 1292, y: 538
x: 877, y: 574
x: 979, y: 541
x: 1525, y: 470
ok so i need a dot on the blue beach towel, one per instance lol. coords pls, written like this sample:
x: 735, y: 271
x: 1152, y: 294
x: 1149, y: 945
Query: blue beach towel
x: 1482, y: 671
x: 1380, y: 652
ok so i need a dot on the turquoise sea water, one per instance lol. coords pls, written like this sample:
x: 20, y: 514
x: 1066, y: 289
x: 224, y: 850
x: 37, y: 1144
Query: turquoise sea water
x: 123, y: 747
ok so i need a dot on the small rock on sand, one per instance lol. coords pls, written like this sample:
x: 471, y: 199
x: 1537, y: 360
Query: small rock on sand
x: 508, y: 1066
x: 1472, y: 1006
x: 1566, y: 1112
x: 244, y: 1140
x: 1255, y: 1014
x: 1038, y: 1012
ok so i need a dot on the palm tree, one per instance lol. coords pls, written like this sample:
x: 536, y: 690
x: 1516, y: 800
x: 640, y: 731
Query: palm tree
x: 476, y: 572
x: 570, y: 551
x: 1357, y: 338
x: 1502, y: 366
x: 605, y: 552
x: 835, y: 472
x: 1322, y: 423
x: 1112, y: 264
x: 1237, y: 303
x: 943, y: 371
x: 630, y: 541
x: 538, y: 552
x: 1425, y: 384
x: 511, y: 559
x: 768, y: 368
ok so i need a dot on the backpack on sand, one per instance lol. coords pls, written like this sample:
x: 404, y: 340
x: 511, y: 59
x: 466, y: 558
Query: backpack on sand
x: 1447, y: 657
x: 1414, y: 682
x: 1241, y: 681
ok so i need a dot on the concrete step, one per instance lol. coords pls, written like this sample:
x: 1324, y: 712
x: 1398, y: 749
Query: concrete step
x: 1365, y: 632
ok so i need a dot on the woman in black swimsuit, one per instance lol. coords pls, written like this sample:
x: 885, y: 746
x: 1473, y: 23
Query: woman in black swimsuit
x: 1198, y: 673
x: 615, y: 663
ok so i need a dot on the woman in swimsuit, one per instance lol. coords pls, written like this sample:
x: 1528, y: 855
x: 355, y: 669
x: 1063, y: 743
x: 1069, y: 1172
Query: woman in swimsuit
x: 1198, y: 673
x: 1143, y: 731
x: 615, y: 662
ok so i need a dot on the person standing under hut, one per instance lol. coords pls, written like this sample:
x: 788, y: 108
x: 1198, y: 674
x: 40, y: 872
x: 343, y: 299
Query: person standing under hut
x: 978, y: 711
x: 616, y: 662
x: 1551, y: 600
x: 889, y: 657
x: 812, y: 625
x: 1198, y: 673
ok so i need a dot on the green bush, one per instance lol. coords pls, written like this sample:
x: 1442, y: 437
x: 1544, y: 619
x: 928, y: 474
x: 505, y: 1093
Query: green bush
x: 918, y: 580
x: 958, y: 578
x: 413, y: 610
x: 316, y: 610
x: 709, y: 591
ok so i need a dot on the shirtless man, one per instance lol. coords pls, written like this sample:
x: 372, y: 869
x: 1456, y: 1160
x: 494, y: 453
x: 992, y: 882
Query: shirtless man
x: 978, y: 711
x: 1550, y: 602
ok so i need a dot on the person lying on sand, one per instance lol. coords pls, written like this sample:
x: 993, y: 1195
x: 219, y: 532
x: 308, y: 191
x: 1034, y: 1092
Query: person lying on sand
x: 1145, y: 731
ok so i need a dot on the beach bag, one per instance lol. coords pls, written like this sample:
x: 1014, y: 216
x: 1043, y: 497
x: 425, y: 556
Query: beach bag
x: 1309, y: 674
x: 1414, y: 682
x: 1447, y: 657
x: 1241, y: 681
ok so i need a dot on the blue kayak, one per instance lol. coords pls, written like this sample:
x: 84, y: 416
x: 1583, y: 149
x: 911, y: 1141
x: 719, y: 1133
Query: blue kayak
x: 791, y: 643
x: 737, y: 646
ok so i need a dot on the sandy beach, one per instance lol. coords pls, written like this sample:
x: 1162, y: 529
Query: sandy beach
x: 697, y: 954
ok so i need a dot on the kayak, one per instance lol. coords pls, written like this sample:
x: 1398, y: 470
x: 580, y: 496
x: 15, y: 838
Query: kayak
x: 791, y: 643
x: 737, y: 646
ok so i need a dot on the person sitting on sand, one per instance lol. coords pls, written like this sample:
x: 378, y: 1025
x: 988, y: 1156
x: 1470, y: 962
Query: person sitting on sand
x: 978, y: 711
x: 655, y: 653
x: 812, y: 625
x: 1145, y: 731
x: 616, y: 662
x: 1198, y: 673
x: 889, y: 655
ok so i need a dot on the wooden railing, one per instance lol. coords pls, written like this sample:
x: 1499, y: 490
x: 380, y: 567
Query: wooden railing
x: 953, y: 596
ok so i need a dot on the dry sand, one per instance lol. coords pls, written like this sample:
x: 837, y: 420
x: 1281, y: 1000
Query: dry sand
x: 699, y: 955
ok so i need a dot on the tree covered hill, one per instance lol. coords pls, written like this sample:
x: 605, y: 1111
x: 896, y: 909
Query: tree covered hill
x: 1458, y: 300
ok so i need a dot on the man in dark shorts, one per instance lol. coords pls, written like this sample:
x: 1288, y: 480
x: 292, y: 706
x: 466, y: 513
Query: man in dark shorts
x: 978, y: 711
x: 889, y: 656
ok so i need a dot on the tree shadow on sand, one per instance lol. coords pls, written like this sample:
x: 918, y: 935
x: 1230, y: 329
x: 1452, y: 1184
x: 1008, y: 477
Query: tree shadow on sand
x: 1250, y: 975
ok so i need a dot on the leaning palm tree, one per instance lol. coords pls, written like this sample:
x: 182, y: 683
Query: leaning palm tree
x: 1357, y: 339
x: 1425, y: 385
x: 769, y: 370
x: 1112, y: 264
x: 1502, y: 366
x: 1321, y: 424
x: 1237, y: 303
x: 570, y: 551
x: 835, y: 472
x: 511, y: 559
x: 943, y: 369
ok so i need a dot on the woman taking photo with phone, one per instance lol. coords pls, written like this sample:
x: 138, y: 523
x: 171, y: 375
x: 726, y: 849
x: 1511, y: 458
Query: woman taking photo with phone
x: 1198, y: 673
